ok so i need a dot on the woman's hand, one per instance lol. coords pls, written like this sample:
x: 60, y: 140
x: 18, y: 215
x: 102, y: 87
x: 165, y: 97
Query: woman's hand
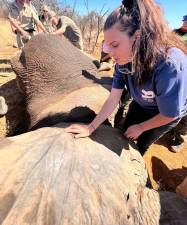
x: 80, y: 130
x: 134, y: 131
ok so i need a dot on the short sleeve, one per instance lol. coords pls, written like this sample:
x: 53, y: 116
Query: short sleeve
x: 171, y: 83
x: 118, y: 80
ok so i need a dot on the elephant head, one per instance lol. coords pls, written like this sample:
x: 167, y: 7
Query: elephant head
x: 50, y: 72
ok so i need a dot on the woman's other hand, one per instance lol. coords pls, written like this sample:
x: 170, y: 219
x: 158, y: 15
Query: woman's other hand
x: 134, y: 131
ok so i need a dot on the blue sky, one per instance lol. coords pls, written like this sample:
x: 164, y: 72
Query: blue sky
x: 173, y: 9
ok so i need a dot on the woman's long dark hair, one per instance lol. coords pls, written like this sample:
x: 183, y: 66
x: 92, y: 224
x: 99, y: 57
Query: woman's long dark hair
x: 155, y: 35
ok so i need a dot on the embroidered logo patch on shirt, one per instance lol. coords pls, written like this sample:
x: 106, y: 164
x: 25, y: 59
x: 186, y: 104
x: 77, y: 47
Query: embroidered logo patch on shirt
x: 148, y: 95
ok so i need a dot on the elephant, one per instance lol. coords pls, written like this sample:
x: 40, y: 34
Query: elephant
x: 47, y: 177
x: 47, y: 83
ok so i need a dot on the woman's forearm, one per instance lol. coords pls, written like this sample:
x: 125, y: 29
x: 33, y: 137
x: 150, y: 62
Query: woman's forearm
x: 157, y: 121
x: 108, y: 107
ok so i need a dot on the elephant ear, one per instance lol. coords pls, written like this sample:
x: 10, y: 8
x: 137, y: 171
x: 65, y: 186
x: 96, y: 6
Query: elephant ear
x: 18, y: 65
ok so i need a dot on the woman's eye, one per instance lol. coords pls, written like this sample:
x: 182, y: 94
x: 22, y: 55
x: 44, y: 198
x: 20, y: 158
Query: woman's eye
x: 115, y: 46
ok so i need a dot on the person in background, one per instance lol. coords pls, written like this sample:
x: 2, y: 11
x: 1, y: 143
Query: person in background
x: 29, y: 3
x: 67, y: 27
x: 182, y: 31
x: 151, y: 61
x: 23, y: 19
x: 45, y: 18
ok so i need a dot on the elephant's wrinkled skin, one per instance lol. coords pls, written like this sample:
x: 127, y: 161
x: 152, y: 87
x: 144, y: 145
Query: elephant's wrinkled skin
x: 57, y: 78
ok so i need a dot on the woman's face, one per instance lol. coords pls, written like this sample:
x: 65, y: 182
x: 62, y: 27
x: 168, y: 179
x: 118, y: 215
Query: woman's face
x: 119, y: 45
x: 45, y: 12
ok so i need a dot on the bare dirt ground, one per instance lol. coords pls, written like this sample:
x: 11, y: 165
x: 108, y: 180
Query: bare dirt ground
x: 166, y: 169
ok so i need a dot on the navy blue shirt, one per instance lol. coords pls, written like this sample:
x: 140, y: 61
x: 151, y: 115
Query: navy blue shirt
x: 165, y: 92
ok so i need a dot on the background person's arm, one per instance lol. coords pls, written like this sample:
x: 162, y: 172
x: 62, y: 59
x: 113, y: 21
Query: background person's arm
x: 60, y: 31
x: 16, y: 27
x: 40, y: 26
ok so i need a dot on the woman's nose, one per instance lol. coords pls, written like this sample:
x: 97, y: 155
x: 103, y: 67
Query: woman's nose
x: 108, y: 49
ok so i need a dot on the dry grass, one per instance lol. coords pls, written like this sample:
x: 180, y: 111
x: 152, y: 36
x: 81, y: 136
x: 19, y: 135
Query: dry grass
x: 7, y: 37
